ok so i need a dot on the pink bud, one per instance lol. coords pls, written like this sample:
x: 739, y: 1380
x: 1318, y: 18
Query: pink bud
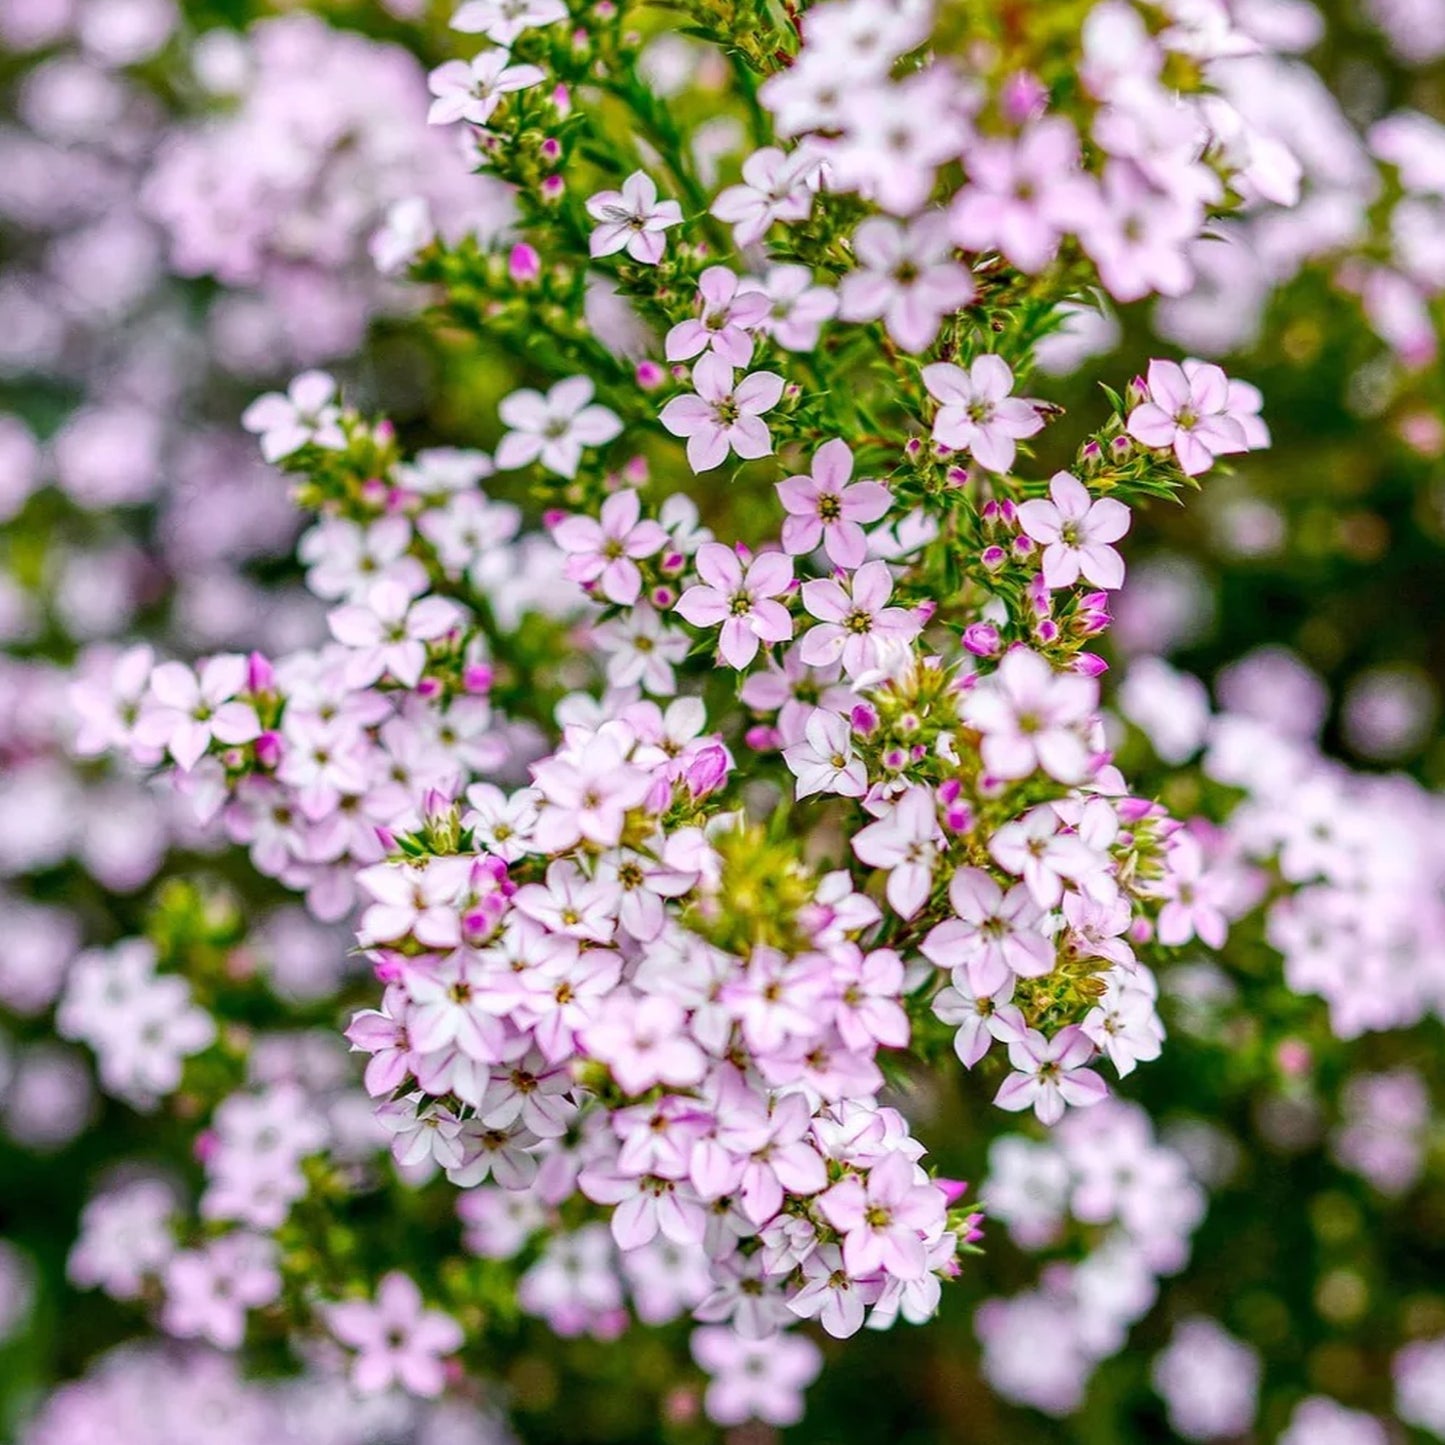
x: 524, y: 265
x: 387, y: 839
x: 552, y: 190
x: 1025, y: 97
x: 863, y: 718
x: 663, y: 597
x: 1090, y: 664
x: 982, y: 639
x: 260, y: 675
x: 707, y: 769
x: 562, y: 100
x: 761, y: 738
x: 953, y: 1190
x: 650, y: 375
x: 993, y: 558
x: 1294, y: 1058
x: 268, y: 749
x: 477, y: 677
x: 550, y: 150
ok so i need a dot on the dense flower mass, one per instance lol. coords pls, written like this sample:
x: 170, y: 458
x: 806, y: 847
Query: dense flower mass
x: 694, y: 753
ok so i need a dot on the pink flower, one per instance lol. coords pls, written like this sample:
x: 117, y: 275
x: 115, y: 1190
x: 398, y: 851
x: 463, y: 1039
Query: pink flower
x: 502, y: 21
x: 1191, y: 410
x: 399, y: 1342
x: 869, y: 1015
x: 1076, y: 531
x: 307, y: 415
x: 775, y: 186
x: 471, y: 91
x: 1032, y: 717
x: 388, y: 633
x: 907, y: 276
x: 741, y: 602
x: 644, y: 1042
x: 884, y: 1217
x: 826, y: 508
x: 1051, y: 1074
x: 824, y: 762
x: 976, y: 413
x: 184, y: 711
x: 856, y: 626
x: 778, y: 998
x: 995, y: 937
x: 1023, y: 195
x: 755, y: 1379
x: 553, y: 429
x: 1196, y: 898
x: 981, y: 1019
x: 601, y: 552
x: 1034, y: 848
x: 587, y: 793
x: 903, y: 841
x: 632, y: 219
x: 830, y: 1294
x: 723, y: 416
x: 797, y: 308
x: 727, y: 317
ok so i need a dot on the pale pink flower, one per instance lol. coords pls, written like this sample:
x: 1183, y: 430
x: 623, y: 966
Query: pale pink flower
x: 553, y: 429
x: 1076, y: 530
x: 981, y: 1019
x: 389, y: 632
x: 472, y: 90
x: 742, y: 603
x: 723, y: 415
x: 830, y: 1294
x: 601, y: 551
x: 995, y: 936
x: 825, y: 507
x: 727, y: 316
x: 1032, y: 718
x: 632, y: 219
x: 904, y: 841
x: 907, y: 276
x: 884, y: 1217
x: 1023, y: 195
x: 776, y: 186
x: 797, y: 307
x: 644, y: 1042
x: 869, y: 1015
x: 305, y: 416
x: 856, y: 626
x: 976, y: 414
x: 398, y: 1341
x: 184, y: 711
x: 755, y: 1379
x: 1191, y: 411
x: 502, y: 21
x: 1051, y: 1074
x: 825, y: 762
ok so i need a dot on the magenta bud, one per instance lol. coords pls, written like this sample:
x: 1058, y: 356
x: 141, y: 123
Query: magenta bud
x: 477, y: 677
x: 1022, y: 547
x: 1136, y: 393
x: 552, y: 190
x: 1121, y: 447
x: 982, y: 639
x: 562, y: 100
x: 864, y: 718
x: 374, y: 492
x: 707, y: 769
x: 895, y: 759
x: 268, y: 749
x: 761, y: 738
x: 260, y: 675
x: 385, y: 430
x: 1024, y: 97
x: 673, y: 562
x: 959, y: 476
x: 524, y: 265
x: 634, y: 470
x: 435, y: 805
x: 1008, y: 513
x: 913, y: 448
x: 993, y: 558
x: 953, y: 1190
x: 206, y: 1143
x: 386, y: 838
x: 551, y: 150
x: 926, y: 609
x: 1294, y: 1058
x: 1090, y: 664
x: 650, y: 375
x: 1047, y: 631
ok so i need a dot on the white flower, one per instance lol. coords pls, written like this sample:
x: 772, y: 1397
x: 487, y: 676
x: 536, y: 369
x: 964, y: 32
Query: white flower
x: 553, y: 429
x: 305, y: 415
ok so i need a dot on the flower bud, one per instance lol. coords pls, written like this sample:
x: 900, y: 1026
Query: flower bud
x: 649, y: 375
x: 993, y: 558
x: 982, y: 639
x: 552, y: 190
x: 1090, y: 664
x: 268, y: 749
x: 524, y: 265
x: 863, y: 719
